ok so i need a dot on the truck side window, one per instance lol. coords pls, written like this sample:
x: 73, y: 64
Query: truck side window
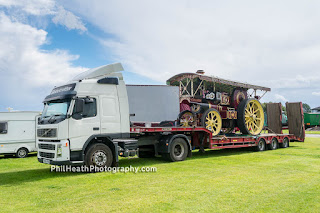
x: 3, y: 127
x: 90, y: 109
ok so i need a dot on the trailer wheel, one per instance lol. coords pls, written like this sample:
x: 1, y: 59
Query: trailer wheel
x: 212, y: 121
x: 261, y: 145
x: 99, y: 155
x: 285, y: 143
x: 250, y: 116
x: 273, y: 145
x: 178, y: 150
x: 22, y: 153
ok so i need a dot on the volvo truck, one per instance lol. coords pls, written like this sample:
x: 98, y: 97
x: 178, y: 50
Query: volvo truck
x: 96, y: 118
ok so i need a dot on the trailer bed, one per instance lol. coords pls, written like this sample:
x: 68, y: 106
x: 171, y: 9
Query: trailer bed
x: 200, y: 136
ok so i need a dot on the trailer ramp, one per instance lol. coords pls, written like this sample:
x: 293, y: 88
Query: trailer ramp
x: 296, y: 120
x: 274, y: 118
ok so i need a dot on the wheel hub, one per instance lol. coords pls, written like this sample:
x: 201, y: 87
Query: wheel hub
x: 100, y: 158
x: 178, y: 150
x: 22, y: 152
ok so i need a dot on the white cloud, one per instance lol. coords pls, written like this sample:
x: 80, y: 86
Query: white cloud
x: 280, y: 98
x: 27, y: 72
x: 33, y: 7
x: 316, y: 93
x: 44, y: 8
x: 68, y: 19
x: 274, y: 43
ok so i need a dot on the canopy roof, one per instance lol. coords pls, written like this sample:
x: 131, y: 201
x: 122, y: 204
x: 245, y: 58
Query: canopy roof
x: 181, y: 76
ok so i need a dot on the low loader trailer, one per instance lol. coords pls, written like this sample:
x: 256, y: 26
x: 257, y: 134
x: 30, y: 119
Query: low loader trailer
x: 95, y: 119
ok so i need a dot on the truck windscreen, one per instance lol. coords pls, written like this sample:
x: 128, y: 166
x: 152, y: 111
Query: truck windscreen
x: 55, y: 111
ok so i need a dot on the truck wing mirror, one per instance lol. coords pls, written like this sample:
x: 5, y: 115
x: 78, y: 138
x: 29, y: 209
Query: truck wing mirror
x: 89, y: 100
x: 79, y: 105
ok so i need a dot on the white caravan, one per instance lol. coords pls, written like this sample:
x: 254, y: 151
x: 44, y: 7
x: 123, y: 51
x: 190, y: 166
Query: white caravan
x: 18, y: 133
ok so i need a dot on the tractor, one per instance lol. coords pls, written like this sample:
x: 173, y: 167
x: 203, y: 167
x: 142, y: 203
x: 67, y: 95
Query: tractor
x: 218, y: 105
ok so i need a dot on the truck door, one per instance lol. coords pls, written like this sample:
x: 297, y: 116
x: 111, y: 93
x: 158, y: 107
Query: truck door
x: 110, y: 113
x: 110, y: 116
x: 86, y: 125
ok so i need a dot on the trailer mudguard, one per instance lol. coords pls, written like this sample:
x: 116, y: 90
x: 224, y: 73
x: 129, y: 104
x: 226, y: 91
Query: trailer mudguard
x: 166, y: 141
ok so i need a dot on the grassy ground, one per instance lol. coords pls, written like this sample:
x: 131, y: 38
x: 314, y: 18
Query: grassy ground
x: 238, y: 180
x: 307, y: 132
x: 312, y: 132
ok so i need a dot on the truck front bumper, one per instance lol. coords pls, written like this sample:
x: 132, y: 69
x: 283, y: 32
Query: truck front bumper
x: 60, y: 163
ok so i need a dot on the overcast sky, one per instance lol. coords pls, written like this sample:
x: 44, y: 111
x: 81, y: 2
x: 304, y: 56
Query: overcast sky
x: 44, y: 43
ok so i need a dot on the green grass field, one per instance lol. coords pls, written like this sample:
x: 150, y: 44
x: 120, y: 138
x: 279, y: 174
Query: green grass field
x: 307, y: 132
x: 237, y: 180
x: 312, y: 132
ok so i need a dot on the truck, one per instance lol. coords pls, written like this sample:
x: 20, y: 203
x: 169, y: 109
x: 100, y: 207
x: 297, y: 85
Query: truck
x: 18, y: 133
x: 96, y: 118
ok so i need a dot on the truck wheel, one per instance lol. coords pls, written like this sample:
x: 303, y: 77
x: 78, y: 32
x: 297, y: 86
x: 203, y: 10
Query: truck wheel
x: 285, y: 143
x: 211, y: 120
x: 178, y: 150
x: 261, y: 145
x: 250, y: 116
x: 22, y: 153
x: 273, y: 145
x: 99, y: 155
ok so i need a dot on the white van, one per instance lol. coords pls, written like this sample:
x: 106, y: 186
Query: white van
x: 18, y: 133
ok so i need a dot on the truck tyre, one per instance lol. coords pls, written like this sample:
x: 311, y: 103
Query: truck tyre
x: 285, y: 143
x: 99, y: 155
x: 178, y: 151
x: 261, y: 146
x: 22, y: 153
x: 273, y: 145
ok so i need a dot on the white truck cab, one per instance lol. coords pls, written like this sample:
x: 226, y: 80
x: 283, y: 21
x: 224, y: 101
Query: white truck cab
x: 92, y: 107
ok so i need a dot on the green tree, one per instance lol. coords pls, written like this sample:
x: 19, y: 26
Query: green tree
x: 284, y: 109
x: 306, y: 107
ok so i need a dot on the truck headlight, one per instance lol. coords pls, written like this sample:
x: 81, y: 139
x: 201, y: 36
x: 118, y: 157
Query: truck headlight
x: 59, y: 150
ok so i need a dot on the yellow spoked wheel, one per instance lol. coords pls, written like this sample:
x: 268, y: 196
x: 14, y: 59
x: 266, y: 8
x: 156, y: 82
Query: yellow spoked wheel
x: 250, y: 117
x: 186, y: 119
x: 212, y: 121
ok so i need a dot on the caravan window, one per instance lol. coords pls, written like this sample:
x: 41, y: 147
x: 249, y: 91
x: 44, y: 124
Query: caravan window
x: 3, y: 127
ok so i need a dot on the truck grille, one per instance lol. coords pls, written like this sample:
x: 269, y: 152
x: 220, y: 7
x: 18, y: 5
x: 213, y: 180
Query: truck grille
x: 47, y: 133
x: 46, y: 146
x: 46, y: 155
